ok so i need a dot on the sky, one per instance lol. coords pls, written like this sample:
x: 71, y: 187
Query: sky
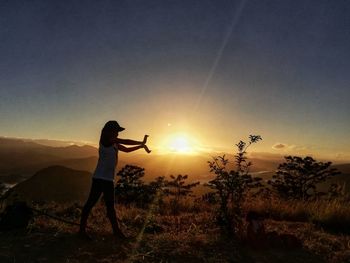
x: 211, y: 71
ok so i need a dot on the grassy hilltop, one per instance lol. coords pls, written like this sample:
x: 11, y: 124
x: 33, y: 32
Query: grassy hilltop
x: 158, y: 231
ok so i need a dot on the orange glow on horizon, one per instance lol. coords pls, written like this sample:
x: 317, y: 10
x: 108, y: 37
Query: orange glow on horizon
x: 179, y: 143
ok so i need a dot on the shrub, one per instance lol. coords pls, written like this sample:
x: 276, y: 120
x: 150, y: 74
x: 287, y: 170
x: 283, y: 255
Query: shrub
x: 298, y: 177
x: 178, y: 189
x: 231, y: 186
x: 130, y: 188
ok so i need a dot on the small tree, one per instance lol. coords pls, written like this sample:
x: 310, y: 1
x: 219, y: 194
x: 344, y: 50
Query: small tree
x: 158, y: 184
x: 178, y: 189
x: 231, y: 185
x: 156, y: 191
x: 297, y: 177
x: 130, y: 188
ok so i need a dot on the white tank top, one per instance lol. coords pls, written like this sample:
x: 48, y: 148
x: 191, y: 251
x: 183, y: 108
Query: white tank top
x: 107, y: 162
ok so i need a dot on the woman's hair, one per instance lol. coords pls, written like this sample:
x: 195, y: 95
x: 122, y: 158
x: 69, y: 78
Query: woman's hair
x: 108, y: 134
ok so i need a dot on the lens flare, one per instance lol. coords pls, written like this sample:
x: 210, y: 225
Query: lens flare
x: 180, y: 144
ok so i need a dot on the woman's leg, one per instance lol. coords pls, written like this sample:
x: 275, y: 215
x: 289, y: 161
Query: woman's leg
x: 108, y: 195
x: 95, y: 193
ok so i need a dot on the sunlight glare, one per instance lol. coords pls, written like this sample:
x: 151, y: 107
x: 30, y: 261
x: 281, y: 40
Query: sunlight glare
x: 180, y: 143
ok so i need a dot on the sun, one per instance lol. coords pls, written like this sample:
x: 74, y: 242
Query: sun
x: 180, y: 143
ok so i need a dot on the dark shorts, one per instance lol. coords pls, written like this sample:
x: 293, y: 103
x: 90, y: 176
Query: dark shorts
x: 100, y: 186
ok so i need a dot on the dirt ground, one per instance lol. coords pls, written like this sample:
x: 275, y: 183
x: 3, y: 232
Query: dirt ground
x: 190, y: 237
x: 55, y: 246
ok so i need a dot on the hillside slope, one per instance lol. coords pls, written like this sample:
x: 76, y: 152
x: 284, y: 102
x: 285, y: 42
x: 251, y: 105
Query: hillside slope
x: 55, y: 183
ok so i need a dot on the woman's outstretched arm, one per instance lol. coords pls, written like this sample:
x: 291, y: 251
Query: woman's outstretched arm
x: 132, y: 142
x: 131, y: 149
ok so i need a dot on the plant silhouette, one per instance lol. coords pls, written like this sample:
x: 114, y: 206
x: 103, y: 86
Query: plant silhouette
x: 178, y: 189
x: 231, y: 185
x: 297, y: 177
x: 130, y: 188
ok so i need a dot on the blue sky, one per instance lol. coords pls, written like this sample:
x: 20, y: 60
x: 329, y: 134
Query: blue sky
x: 217, y: 70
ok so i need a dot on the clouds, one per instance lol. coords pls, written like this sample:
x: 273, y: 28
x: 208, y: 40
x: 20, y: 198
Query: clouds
x: 278, y: 146
x: 284, y: 146
x: 288, y: 147
x: 291, y: 148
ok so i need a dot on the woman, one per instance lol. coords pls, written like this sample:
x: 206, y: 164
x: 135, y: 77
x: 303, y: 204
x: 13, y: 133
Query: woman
x: 103, y: 177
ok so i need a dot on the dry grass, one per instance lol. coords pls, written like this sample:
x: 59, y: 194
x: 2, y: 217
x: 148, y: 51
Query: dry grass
x: 332, y: 215
x: 159, y: 236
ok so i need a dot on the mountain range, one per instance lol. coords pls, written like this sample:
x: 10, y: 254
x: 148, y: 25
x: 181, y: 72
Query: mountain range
x: 21, y: 159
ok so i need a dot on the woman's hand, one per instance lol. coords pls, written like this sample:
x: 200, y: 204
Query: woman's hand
x: 144, y: 143
x: 146, y: 148
x: 145, y: 139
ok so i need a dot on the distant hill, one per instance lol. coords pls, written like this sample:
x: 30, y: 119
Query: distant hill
x: 195, y: 166
x: 83, y: 164
x: 21, y: 158
x: 56, y: 143
x: 11, y: 146
x: 343, y: 168
x: 55, y: 183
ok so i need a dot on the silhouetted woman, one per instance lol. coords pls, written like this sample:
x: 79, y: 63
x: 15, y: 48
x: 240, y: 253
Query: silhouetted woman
x: 103, y: 177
